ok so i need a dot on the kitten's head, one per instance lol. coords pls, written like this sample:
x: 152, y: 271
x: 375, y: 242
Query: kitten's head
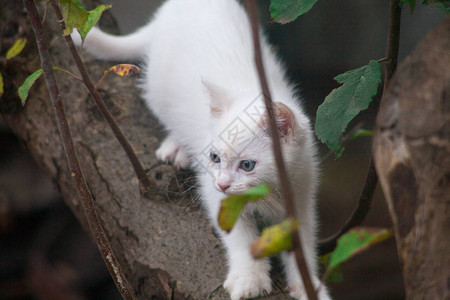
x: 240, y: 154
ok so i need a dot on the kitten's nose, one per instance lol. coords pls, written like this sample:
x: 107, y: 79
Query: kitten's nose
x: 223, y: 187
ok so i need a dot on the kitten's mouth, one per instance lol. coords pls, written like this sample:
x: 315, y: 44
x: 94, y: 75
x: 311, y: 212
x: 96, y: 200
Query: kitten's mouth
x: 228, y: 192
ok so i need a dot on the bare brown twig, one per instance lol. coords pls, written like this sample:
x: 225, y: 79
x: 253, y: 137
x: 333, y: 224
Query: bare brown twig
x: 365, y: 200
x: 286, y: 189
x: 393, y: 42
x: 74, y: 166
x: 148, y: 184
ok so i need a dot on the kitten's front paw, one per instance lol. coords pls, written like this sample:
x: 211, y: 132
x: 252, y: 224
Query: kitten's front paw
x: 171, y: 151
x: 297, y: 291
x: 249, y: 285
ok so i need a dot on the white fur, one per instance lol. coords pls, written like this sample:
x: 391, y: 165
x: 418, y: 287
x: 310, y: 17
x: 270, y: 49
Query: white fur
x: 201, y: 82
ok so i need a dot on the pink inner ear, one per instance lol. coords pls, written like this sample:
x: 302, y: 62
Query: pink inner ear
x: 220, y: 100
x: 285, y: 120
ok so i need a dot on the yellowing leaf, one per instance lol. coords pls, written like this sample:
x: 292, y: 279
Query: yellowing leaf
x: 231, y: 207
x: 28, y: 83
x: 76, y: 16
x: 356, y: 241
x: 125, y: 69
x: 16, y: 48
x: 275, y: 239
x: 121, y: 70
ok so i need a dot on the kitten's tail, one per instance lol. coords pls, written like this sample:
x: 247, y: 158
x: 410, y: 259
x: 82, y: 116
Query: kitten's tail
x: 105, y: 46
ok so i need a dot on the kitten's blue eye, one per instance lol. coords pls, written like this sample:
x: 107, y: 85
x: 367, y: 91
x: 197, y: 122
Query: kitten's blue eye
x: 247, y: 165
x: 214, y: 157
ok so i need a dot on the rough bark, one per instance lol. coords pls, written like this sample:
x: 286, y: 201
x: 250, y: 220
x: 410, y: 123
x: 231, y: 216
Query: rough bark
x: 165, y: 245
x: 412, y: 155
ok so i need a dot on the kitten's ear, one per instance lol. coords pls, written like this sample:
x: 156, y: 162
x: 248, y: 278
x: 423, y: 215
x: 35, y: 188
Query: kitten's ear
x: 285, y: 121
x: 220, y: 102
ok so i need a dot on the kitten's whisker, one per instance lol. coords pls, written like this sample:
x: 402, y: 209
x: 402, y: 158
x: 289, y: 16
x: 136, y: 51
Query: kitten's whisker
x: 188, y: 189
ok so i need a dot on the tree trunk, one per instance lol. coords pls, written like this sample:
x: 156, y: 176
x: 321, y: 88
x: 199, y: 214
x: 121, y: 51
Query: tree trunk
x: 166, y: 246
x: 412, y: 155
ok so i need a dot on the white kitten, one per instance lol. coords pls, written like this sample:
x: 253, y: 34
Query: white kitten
x: 201, y: 82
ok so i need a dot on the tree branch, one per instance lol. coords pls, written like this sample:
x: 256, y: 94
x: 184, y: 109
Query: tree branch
x: 365, y: 200
x: 76, y: 173
x: 286, y: 189
x: 148, y: 184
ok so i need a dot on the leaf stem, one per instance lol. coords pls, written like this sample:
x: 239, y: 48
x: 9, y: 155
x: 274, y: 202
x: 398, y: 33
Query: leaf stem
x: 72, y: 158
x: 365, y: 200
x: 99, y: 83
x: 286, y: 188
x: 148, y: 184
x: 68, y: 73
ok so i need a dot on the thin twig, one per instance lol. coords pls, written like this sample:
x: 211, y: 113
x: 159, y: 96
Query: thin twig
x: 148, y: 184
x: 393, y: 43
x: 365, y: 200
x: 74, y: 166
x: 286, y: 188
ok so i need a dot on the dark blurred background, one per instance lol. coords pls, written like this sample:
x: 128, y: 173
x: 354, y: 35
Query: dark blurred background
x: 45, y: 254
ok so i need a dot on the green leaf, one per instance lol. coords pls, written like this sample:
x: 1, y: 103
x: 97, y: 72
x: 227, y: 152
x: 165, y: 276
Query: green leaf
x: 285, y: 11
x: 411, y: 3
x: 1, y: 85
x: 275, y: 239
x: 16, y: 48
x: 76, y: 16
x: 344, y: 103
x: 361, y: 133
x: 333, y: 275
x: 231, y: 207
x: 28, y: 83
x: 441, y: 5
x: 94, y: 16
x: 356, y: 241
